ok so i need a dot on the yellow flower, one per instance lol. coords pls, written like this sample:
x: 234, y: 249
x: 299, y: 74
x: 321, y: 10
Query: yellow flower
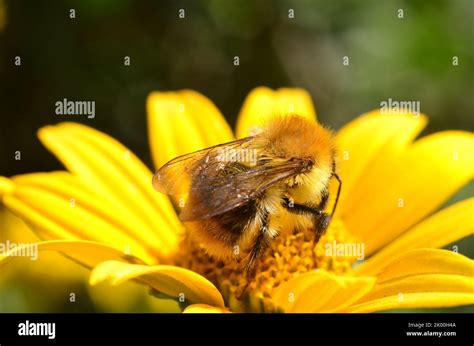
x: 104, y: 213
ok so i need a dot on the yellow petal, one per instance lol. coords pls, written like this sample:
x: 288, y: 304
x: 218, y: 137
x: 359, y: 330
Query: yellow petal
x: 262, y: 104
x: 87, y: 253
x: 418, y: 276
x: 108, y: 301
x: 170, y: 280
x: 44, y: 227
x: 14, y: 231
x: 367, y: 144
x: 319, y: 291
x: 424, y: 284
x: 58, y: 199
x: 415, y: 300
x: 395, y: 197
x: 203, y: 309
x: 113, y: 171
x: 425, y: 261
x: 5, y: 185
x: 182, y: 122
x: 441, y: 229
x: 77, y: 193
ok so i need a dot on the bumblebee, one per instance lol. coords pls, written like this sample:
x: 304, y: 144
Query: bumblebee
x: 242, y: 194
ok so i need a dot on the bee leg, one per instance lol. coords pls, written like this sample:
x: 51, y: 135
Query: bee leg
x: 260, y: 244
x: 324, y: 200
x: 321, y: 219
x: 321, y: 224
x: 301, y: 209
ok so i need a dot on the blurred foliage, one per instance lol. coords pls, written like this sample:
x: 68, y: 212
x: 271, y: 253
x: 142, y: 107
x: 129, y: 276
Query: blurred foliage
x: 82, y: 59
x: 406, y: 58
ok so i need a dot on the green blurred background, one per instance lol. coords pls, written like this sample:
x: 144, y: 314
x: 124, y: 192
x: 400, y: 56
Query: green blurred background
x: 407, y: 58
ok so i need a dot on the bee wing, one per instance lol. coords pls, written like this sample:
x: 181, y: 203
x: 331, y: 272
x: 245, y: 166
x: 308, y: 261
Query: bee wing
x: 175, y: 176
x: 218, y: 195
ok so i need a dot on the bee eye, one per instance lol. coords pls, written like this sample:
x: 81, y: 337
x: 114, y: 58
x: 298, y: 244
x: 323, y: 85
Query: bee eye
x: 308, y: 163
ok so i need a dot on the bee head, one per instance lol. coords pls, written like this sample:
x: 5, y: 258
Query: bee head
x: 295, y: 137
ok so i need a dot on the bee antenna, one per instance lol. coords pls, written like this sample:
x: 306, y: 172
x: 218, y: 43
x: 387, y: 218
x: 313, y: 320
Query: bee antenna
x: 334, y: 174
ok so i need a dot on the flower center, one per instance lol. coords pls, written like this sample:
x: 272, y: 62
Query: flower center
x: 288, y: 256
